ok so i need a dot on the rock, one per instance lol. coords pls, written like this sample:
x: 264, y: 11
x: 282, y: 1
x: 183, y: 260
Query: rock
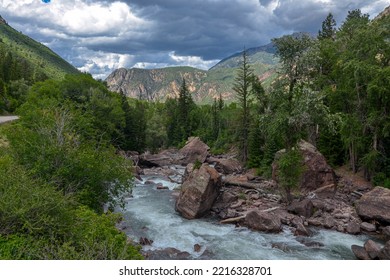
x: 302, y: 208
x: 309, y: 243
x: 329, y: 222
x: 281, y: 246
x: 161, y: 187
x: 228, y: 166
x: 359, y: 252
x: 384, y: 253
x: 386, y: 231
x: 317, y: 172
x: 161, y: 159
x: 301, y: 230
x: 263, y: 221
x: 315, y: 222
x: 198, y: 192
x: 145, y: 241
x: 372, y: 248
x: 197, y: 248
x: 327, y: 191
x: 194, y: 150
x: 368, y: 227
x: 167, y: 254
x: 375, y: 205
x: 353, y: 228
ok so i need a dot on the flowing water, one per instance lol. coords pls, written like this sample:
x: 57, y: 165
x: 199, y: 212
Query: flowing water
x: 150, y: 213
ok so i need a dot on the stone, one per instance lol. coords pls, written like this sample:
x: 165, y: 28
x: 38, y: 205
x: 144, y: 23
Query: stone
x: 263, y: 221
x: 317, y: 172
x: 359, y: 252
x: 309, y: 243
x: 329, y: 222
x: 372, y: 248
x: 353, y: 228
x: 198, y: 192
x: 301, y: 230
x: 315, y: 222
x: 145, y: 241
x: 327, y: 191
x: 386, y: 231
x: 197, y: 248
x: 375, y: 205
x: 384, y: 253
x: 228, y: 166
x: 368, y: 227
x: 167, y: 254
x: 302, y: 208
x: 161, y: 159
x: 194, y: 150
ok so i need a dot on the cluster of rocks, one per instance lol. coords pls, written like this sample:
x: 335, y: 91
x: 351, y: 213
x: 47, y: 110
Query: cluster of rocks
x: 372, y: 251
x: 219, y: 186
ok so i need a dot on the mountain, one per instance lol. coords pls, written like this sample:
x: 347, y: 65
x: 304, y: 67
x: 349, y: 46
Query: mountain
x: 28, y: 58
x: 159, y: 84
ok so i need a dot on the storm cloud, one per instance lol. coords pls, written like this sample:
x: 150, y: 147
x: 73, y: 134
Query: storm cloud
x: 100, y: 36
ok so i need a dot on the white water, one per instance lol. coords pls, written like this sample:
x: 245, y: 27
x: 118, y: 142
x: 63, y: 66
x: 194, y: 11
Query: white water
x: 150, y: 213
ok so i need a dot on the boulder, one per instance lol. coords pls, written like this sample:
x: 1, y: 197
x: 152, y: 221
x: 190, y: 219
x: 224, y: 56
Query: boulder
x: 386, y: 231
x: 161, y: 159
x: 198, y: 192
x: 317, y: 172
x: 327, y: 191
x: 302, y: 208
x: 359, y: 252
x: 372, y: 248
x: 228, y: 166
x: 194, y: 150
x: 384, y: 253
x: 329, y: 222
x: 353, y: 228
x: 375, y: 205
x: 263, y: 221
x: 167, y: 254
x: 368, y: 227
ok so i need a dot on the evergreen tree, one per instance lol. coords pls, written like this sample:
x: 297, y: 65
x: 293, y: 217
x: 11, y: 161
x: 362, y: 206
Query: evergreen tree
x: 242, y: 88
x: 328, y: 28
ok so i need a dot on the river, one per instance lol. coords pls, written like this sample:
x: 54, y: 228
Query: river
x: 150, y: 213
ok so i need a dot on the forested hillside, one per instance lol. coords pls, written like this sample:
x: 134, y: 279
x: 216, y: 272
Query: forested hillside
x: 23, y: 62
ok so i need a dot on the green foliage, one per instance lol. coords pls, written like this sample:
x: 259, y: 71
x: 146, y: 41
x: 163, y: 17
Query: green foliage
x: 290, y: 169
x: 197, y: 164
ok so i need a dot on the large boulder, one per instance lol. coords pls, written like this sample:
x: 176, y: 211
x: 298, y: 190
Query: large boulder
x: 375, y: 205
x: 226, y: 165
x: 263, y: 221
x: 194, y: 150
x: 198, y: 192
x: 164, y: 158
x: 317, y: 172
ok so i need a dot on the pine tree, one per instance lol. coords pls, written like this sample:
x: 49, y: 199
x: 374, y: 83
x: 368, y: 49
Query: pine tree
x: 242, y: 88
x: 328, y: 28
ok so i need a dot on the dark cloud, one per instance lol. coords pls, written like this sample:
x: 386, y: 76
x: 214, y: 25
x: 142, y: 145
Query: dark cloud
x: 98, y: 36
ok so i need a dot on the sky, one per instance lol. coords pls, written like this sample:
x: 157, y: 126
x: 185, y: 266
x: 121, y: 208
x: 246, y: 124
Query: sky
x: 100, y: 36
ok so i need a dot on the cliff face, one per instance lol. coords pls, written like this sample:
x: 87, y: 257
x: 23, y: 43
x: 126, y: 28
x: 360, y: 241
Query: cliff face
x: 384, y: 13
x: 160, y: 84
x: 155, y: 84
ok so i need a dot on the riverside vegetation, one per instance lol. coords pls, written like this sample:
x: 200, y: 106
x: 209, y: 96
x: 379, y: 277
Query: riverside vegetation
x: 60, y: 166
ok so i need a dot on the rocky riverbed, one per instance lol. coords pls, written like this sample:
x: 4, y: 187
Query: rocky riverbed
x: 219, y: 190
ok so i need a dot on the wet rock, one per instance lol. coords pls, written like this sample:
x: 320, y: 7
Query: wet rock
x: 281, y: 246
x: 329, y: 222
x: 161, y: 187
x: 145, y: 241
x: 198, y: 192
x: 375, y: 205
x: 301, y: 230
x: 302, y: 208
x: 368, y: 227
x: 359, y: 252
x: 353, y: 228
x: 309, y: 243
x: 197, y: 248
x: 263, y: 221
x: 373, y: 249
x: 161, y: 159
x: 315, y: 222
x: 386, y: 231
x: 194, y: 150
x: 384, y: 254
x: 317, y: 172
x: 167, y: 254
